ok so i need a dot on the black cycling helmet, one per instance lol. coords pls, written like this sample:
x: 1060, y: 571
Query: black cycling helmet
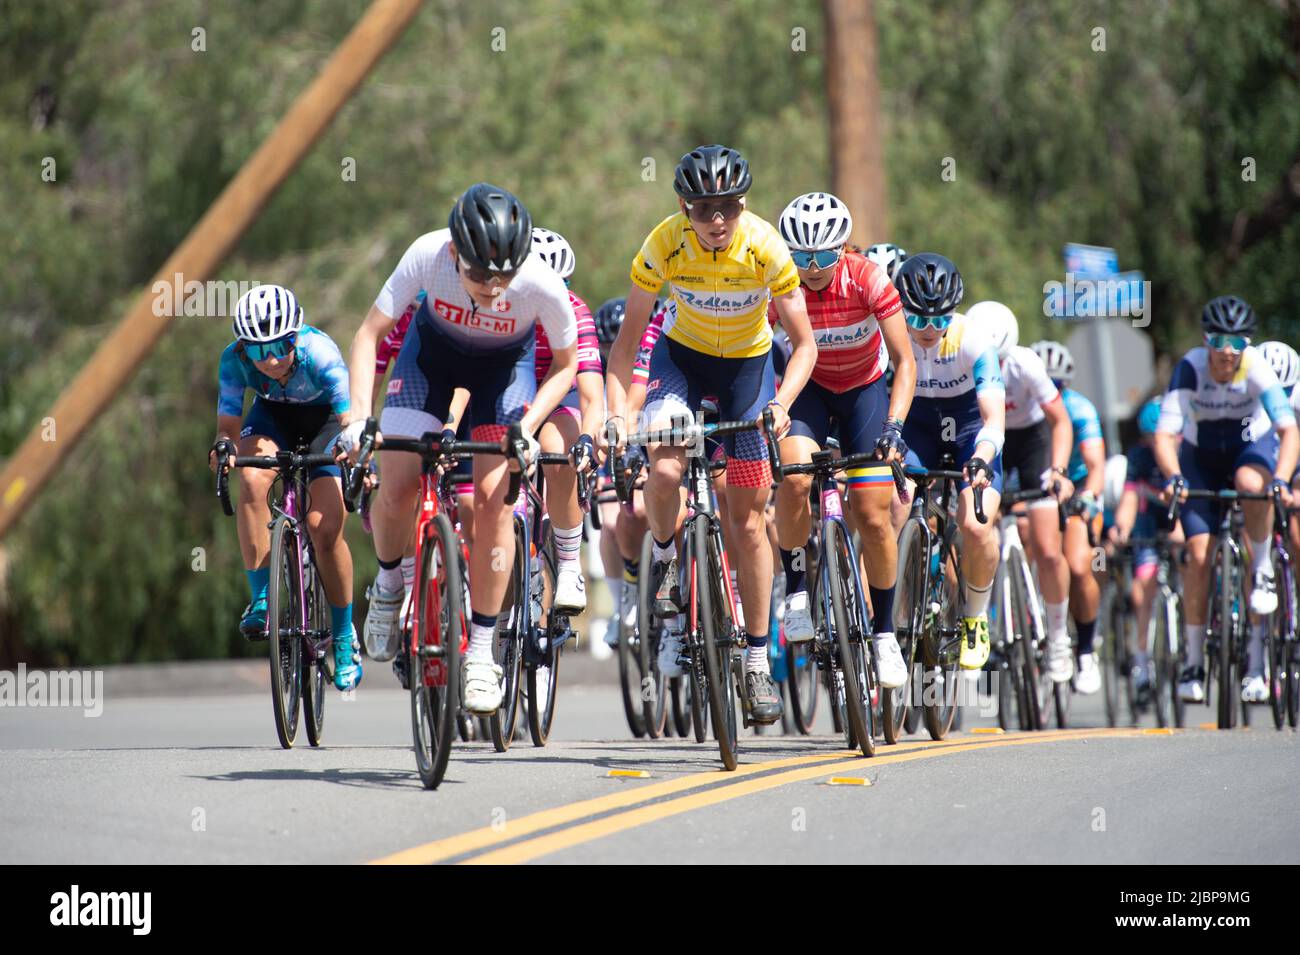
x: 699, y: 171
x: 609, y: 319
x: 491, y: 228
x: 928, y: 284
x: 1228, y: 315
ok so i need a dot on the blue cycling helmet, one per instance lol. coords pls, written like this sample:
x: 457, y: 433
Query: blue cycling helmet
x: 1148, y: 416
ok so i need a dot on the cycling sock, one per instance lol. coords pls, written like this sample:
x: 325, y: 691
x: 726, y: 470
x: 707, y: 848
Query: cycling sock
x: 408, y: 572
x: 664, y: 552
x: 568, y: 546
x: 1087, y: 632
x: 258, y: 581
x: 341, y: 620
x: 1255, y: 650
x: 390, y: 575
x: 1141, y: 658
x: 882, y: 609
x: 1195, y: 636
x: 631, y: 570
x: 1260, y: 552
x: 977, y: 599
x: 616, y: 591
x: 480, y: 636
x: 1057, y: 622
x: 756, y: 654
x: 796, y: 569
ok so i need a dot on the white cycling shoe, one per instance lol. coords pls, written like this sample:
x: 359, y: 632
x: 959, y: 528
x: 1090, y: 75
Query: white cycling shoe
x: 798, y: 620
x: 1263, y: 597
x: 482, y: 687
x: 1254, y: 689
x: 627, y: 606
x: 383, y: 619
x: 570, y: 590
x: 670, y: 652
x: 889, y: 661
x: 1191, y: 685
x: 1089, y: 679
x: 1060, y: 659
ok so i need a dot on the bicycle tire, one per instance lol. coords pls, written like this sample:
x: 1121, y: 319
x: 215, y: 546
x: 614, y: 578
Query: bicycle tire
x: 1293, y: 685
x: 1108, y: 658
x: 801, y: 682
x: 285, y: 621
x: 849, y: 615
x: 630, y: 674
x: 1037, y: 683
x: 439, y: 626
x: 1281, y: 622
x: 543, y: 676
x: 508, y: 640
x: 909, y: 620
x: 653, y: 684
x: 1227, y: 704
x: 1161, y: 650
x: 940, y: 680
x: 315, y: 677
x: 681, y: 721
x: 715, y: 639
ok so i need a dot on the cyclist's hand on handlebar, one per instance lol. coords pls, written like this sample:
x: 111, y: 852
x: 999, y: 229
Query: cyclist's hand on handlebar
x: 780, y: 419
x: 613, y: 437
x: 1118, y: 533
x: 219, y: 447
x: 583, y: 453
x: 348, y: 442
x: 978, y: 473
x: 1175, y: 486
x: 1057, y: 484
x: 530, y: 451
x: 1282, y: 486
x: 890, y: 445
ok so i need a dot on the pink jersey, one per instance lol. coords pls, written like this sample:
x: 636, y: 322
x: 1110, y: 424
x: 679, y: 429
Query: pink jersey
x: 392, y: 343
x: 850, y: 348
x: 649, y: 338
x: 588, y: 343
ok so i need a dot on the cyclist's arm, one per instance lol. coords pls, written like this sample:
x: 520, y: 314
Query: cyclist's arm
x: 793, y: 314
x: 1093, y: 452
x: 362, y: 362
x: 1062, y: 432
x: 556, y: 384
x: 591, y: 400
x: 993, y: 412
x: 1165, y: 450
x: 899, y: 346
x: 1126, y: 512
x: 1278, y: 407
x: 622, y: 354
x: 459, y: 402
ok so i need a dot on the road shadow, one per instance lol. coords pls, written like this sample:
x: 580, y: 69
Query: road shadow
x: 380, y: 779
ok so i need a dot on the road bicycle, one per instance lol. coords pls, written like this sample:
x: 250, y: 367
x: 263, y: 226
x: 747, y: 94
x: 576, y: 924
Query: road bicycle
x: 298, y: 618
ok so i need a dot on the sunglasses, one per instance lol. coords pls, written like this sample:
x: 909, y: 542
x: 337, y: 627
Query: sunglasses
x: 1220, y: 341
x: 920, y: 322
x: 260, y: 351
x: 706, y: 211
x: 824, y: 259
x: 485, y: 276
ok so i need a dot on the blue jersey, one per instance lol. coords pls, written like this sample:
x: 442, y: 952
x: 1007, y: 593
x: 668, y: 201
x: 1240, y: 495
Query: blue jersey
x: 319, y: 376
x: 1087, y: 427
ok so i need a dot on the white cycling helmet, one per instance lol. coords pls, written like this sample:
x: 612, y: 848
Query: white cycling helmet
x: 1285, y: 362
x: 265, y: 313
x: 814, y: 222
x: 888, y: 257
x: 555, y: 251
x: 1057, y: 358
x: 1000, y: 322
x: 1115, y: 474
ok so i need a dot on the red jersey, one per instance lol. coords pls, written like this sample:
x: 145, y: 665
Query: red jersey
x: 387, y: 349
x: 850, y: 348
x: 588, y: 343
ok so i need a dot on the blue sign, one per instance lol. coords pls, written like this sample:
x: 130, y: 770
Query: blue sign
x: 1118, y: 295
x: 1091, y: 259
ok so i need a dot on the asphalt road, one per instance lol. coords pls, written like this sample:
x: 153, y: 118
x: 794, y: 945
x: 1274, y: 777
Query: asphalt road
x: 200, y: 778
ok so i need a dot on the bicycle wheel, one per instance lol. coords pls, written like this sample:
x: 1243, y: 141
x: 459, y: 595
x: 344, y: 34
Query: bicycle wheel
x: 651, y: 686
x: 315, y: 675
x: 434, y: 649
x: 940, y: 679
x: 1224, y: 597
x: 1161, y: 649
x: 543, y: 675
x: 1281, y: 632
x: 849, y: 615
x: 285, y: 624
x: 681, y: 708
x: 513, y: 627
x: 1293, y: 683
x: 1177, y: 656
x: 909, y: 620
x: 801, y: 680
x: 630, y: 672
x: 716, y: 643
x: 1037, y: 683
x: 1108, y: 657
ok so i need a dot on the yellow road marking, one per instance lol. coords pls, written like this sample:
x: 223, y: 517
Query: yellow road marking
x: 847, y: 781
x: 629, y: 773
x: 456, y: 845
x: 539, y: 846
x: 1209, y: 726
x: 989, y: 730
x: 15, y: 490
x: 1158, y: 731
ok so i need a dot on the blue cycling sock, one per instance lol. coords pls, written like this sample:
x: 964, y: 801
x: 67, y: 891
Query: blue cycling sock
x: 341, y: 620
x: 258, y: 582
x: 882, y: 609
x: 1085, y: 632
x: 795, y: 569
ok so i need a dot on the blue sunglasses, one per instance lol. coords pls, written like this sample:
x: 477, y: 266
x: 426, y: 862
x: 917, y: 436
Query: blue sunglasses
x: 1235, y: 342
x: 824, y: 259
x: 920, y: 322
x: 260, y: 351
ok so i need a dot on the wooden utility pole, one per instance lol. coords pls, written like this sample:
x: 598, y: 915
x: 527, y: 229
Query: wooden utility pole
x: 853, y: 96
x: 200, y: 255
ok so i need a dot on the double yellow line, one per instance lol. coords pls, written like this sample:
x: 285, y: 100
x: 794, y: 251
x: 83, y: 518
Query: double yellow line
x: 573, y: 824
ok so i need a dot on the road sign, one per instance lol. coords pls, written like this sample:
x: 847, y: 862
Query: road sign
x: 1090, y: 295
x: 1091, y: 259
x: 1098, y: 345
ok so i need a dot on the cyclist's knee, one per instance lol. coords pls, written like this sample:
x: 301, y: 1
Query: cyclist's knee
x: 794, y: 490
x: 667, y: 470
x: 254, y: 483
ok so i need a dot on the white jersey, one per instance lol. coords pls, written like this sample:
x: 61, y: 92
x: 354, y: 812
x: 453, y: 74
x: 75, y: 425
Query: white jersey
x: 1028, y: 386
x: 963, y: 360
x: 1223, y: 416
x: 536, y: 294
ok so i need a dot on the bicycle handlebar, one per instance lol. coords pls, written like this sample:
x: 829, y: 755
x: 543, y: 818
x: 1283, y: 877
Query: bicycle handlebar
x: 928, y: 476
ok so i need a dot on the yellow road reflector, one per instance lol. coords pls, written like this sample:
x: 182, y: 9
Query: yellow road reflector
x: 629, y: 773
x: 1158, y: 731
x: 847, y: 781
x: 991, y: 730
x: 15, y: 490
x: 1209, y: 726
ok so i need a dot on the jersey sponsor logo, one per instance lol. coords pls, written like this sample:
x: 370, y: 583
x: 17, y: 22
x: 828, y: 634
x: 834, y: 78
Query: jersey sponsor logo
x: 653, y: 385
x: 394, y: 386
x: 719, y: 302
x: 944, y: 384
x: 492, y: 324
